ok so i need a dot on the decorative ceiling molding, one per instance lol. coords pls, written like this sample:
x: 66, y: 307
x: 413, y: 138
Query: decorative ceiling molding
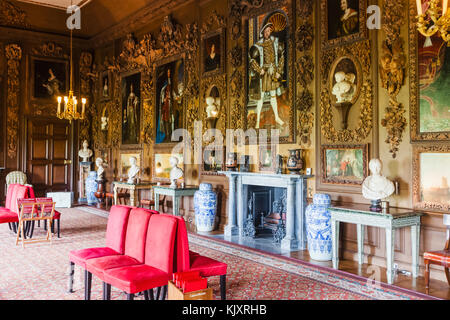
x: 154, y: 10
x: 58, y: 4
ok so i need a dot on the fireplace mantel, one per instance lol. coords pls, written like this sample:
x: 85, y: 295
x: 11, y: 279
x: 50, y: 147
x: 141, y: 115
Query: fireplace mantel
x: 295, y: 238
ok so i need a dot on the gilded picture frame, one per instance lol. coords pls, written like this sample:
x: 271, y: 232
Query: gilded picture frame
x: 339, y: 27
x: 424, y: 63
x: 213, y: 39
x: 211, y: 169
x: 106, y: 89
x: 267, y: 159
x: 131, y: 109
x: 431, y: 174
x: 344, y: 164
x: 49, y: 78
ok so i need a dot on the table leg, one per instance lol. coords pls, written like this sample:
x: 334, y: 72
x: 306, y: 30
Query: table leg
x: 390, y: 234
x: 335, y: 239
x: 115, y: 195
x: 360, y: 232
x: 156, y: 201
x: 415, y: 244
x: 176, y: 206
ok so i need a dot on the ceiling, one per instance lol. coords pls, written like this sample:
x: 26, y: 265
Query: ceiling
x: 58, y: 4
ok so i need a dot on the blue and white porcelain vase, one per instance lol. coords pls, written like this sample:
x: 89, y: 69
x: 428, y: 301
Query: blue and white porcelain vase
x: 318, y: 227
x: 205, y: 205
x: 91, y: 188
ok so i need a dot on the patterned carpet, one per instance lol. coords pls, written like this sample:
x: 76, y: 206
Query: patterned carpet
x: 39, y: 272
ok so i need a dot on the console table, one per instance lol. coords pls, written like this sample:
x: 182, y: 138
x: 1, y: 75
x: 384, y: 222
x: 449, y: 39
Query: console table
x: 175, y: 193
x: 134, y: 198
x: 295, y: 238
x: 391, y: 220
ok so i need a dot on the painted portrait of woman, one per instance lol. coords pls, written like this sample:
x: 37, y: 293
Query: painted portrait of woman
x: 343, y: 18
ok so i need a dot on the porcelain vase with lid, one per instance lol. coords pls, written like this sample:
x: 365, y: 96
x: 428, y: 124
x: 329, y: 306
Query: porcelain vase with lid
x: 318, y: 227
x: 205, y: 205
x: 91, y: 188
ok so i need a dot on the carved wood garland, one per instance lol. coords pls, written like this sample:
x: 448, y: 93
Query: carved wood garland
x: 361, y: 52
x: 305, y: 71
x: 86, y: 78
x: 239, y: 12
x: 13, y: 53
x: 392, y: 72
x: 11, y: 15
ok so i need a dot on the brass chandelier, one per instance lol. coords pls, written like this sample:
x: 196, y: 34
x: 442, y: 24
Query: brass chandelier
x: 439, y: 20
x: 70, y: 111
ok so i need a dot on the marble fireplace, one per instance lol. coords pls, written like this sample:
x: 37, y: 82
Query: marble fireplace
x: 242, y: 186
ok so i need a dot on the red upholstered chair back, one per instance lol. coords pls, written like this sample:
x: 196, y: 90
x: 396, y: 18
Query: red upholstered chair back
x: 9, y: 195
x: 20, y: 192
x: 160, y: 242
x: 181, y: 254
x: 137, y: 233
x: 117, y: 228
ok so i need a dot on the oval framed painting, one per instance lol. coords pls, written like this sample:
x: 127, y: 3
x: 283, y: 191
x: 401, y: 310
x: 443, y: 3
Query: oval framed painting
x: 345, y: 80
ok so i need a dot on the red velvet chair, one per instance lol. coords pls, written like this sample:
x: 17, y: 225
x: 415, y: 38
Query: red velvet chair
x: 115, y: 241
x: 192, y: 261
x: 134, y: 249
x: 440, y: 258
x: 10, y: 213
x: 157, y: 269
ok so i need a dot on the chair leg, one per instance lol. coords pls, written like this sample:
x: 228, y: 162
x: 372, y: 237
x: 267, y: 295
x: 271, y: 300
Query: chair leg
x: 164, y: 292
x: 130, y: 296
x: 223, y: 287
x: 9, y: 225
x: 152, y: 296
x: 71, y: 275
x: 158, y: 292
x: 31, y: 231
x: 106, y: 291
x: 87, y: 285
x: 427, y: 276
x: 146, y: 295
x: 58, y: 227
x: 447, y: 274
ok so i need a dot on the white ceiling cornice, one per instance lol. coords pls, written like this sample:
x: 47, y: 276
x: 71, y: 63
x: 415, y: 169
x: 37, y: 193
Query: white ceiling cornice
x: 57, y: 4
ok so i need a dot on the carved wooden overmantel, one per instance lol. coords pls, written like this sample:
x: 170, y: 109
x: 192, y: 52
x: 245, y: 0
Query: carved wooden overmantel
x: 13, y: 53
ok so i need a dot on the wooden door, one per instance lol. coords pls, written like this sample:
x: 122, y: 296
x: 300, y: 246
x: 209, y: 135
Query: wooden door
x: 49, y: 155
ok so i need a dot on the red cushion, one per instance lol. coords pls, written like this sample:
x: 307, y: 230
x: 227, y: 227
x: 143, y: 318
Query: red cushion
x: 208, y: 267
x: 137, y: 233
x: 9, y: 195
x: 117, y: 227
x: 181, y: 255
x: 13, y: 197
x: 97, y: 266
x: 19, y: 193
x: 80, y: 257
x: 160, y: 242
x: 442, y: 257
x: 8, y: 216
x: 57, y: 215
x: 136, y: 278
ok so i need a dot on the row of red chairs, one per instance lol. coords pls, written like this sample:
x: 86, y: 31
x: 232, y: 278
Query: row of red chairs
x: 143, y: 250
x: 10, y: 213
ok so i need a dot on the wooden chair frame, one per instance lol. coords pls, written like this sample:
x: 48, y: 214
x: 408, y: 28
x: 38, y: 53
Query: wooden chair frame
x: 446, y: 266
x: 39, y: 212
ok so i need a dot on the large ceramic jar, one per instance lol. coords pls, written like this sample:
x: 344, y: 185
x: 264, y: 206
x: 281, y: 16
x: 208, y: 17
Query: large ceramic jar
x: 205, y: 205
x: 91, y: 188
x: 318, y: 226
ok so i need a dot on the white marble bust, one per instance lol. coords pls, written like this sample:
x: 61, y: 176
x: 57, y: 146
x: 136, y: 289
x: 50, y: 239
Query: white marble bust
x: 211, y: 107
x: 176, y: 172
x: 134, y: 170
x: 376, y: 186
x: 85, y: 153
x: 100, y: 168
x: 344, y: 89
x: 104, y: 123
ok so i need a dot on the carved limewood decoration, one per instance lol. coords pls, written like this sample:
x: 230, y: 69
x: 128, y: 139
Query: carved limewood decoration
x: 86, y: 79
x: 13, y: 53
x: 11, y: 15
x: 49, y: 49
x: 360, y: 52
x: 392, y: 72
x: 305, y: 71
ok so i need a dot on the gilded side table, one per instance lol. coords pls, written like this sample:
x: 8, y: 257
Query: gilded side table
x: 395, y: 218
x: 133, y: 188
x: 175, y: 193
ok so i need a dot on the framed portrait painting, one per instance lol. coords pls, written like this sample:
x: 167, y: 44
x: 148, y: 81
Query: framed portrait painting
x: 267, y: 159
x: 429, y: 65
x: 106, y: 86
x: 268, y: 74
x: 431, y: 177
x: 213, y: 161
x: 161, y: 167
x: 131, y: 108
x: 213, y: 52
x: 345, y: 164
x: 343, y: 21
x: 169, y: 99
x: 49, y: 78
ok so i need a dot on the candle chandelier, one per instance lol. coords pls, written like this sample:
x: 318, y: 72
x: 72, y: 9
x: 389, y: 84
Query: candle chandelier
x: 433, y: 19
x: 70, y: 111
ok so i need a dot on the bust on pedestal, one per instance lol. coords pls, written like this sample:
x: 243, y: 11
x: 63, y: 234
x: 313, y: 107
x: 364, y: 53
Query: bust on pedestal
x: 176, y: 172
x: 133, y: 172
x: 101, y: 189
x: 85, y: 166
x: 376, y: 187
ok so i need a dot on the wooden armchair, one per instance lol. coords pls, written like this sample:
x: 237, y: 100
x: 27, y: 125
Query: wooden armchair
x: 122, y: 195
x: 441, y: 258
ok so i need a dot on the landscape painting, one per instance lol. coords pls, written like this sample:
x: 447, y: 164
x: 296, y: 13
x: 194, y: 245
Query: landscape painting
x: 435, y: 178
